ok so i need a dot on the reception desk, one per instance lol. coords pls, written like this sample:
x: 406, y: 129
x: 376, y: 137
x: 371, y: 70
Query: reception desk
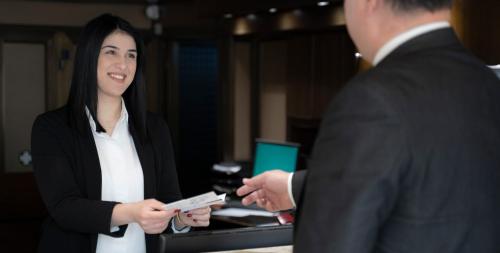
x: 228, y: 239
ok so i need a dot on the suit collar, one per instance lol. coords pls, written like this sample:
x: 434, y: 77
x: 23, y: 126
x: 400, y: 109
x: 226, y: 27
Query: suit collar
x: 436, y: 39
x: 403, y: 37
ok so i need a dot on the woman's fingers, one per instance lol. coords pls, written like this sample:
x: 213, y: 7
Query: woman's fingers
x: 197, y: 217
x: 151, y: 216
x: 202, y: 210
x: 155, y: 228
x: 201, y: 217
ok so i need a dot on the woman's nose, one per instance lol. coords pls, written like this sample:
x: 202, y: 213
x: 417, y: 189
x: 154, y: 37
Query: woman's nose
x: 122, y: 63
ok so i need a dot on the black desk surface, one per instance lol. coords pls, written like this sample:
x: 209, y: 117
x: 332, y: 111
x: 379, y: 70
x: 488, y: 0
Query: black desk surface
x: 227, y: 239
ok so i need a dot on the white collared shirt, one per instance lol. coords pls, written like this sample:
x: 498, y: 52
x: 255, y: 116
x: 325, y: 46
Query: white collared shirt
x: 400, y: 39
x: 122, y: 181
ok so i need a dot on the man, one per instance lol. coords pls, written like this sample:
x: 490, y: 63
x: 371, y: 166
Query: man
x: 408, y: 155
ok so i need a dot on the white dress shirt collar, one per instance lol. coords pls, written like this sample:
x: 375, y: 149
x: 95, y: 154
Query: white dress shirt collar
x: 400, y: 39
x: 123, y: 119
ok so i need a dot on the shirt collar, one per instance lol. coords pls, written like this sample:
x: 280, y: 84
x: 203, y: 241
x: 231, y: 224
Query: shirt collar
x: 401, y: 38
x: 123, y: 117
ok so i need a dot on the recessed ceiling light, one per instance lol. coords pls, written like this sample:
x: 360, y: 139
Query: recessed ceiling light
x: 297, y: 12
x: 323, y: 3
x: 252, y: 16
x: 228, y: 15
x: 273, y: 10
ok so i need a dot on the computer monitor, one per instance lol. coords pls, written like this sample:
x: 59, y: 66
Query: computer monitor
x: 270, y: 155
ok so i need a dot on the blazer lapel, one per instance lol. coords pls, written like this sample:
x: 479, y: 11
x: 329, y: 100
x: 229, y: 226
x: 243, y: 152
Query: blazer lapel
x: 92, y: 166
x: 92, y: 170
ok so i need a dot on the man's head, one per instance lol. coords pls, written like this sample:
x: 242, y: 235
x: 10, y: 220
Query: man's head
x: 413, y: 5
x: 371, y: 23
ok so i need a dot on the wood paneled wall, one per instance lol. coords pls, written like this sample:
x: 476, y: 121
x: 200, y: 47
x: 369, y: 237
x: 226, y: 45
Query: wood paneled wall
x: 478, y: 26
x: 242, y: 143
x: 298, y: 75
x: 273, y: 90
x: 319, y: 65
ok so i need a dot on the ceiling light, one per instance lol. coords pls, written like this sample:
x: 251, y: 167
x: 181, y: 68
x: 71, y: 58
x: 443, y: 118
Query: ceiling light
x: 297, y: 12
x: 323, y: 3
x: 252, y: 16
x: 273, y: 10
x: 153, y: 12
x: 228, y: 15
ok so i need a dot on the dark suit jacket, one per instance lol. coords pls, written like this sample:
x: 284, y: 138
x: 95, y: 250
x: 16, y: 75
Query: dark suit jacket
x: 408, y: 157
x: 68, y: 173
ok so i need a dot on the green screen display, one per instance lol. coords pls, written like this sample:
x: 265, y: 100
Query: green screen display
x: 270, y: 156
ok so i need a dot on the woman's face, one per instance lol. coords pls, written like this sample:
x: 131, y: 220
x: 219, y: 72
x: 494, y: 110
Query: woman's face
x: 116, y: 65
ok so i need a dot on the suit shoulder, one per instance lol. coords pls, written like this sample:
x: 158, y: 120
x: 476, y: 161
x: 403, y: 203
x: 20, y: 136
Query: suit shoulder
x: 57, y: 118
x: 371, y: 82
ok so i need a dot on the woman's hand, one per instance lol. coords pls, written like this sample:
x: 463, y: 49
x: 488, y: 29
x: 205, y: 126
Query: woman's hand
x: 151, y: 216
x: 195, y: 218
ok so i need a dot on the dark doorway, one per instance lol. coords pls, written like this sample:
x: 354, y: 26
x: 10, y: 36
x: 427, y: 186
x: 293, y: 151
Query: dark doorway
x: 197, y: 63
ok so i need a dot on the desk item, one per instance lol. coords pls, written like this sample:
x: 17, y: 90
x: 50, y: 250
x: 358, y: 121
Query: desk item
x: 278, y: 249
x: 271, y: 155
x: 496, y: 69
x: 286, y: 217
x: 227, y: 239
x: 246, y: 217
x: 202, y: 200
x: 241, y: 212
x: 227, y: 167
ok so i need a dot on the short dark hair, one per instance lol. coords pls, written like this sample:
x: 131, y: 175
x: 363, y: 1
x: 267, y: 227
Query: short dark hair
x: 83, y: 90
x: 412, y: 5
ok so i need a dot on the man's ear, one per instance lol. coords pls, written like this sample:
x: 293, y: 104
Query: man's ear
x: 372, y: 5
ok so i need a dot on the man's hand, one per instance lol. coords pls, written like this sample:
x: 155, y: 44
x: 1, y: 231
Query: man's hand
x: 269, y: 190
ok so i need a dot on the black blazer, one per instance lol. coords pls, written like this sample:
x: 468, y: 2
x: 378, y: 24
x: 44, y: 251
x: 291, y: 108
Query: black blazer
x: 68, y: 173
x: 408, y: 157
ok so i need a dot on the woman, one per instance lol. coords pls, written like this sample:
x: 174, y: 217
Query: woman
x: 104, y: 166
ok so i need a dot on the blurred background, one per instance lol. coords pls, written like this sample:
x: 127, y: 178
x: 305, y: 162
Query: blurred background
x: 221, y: 72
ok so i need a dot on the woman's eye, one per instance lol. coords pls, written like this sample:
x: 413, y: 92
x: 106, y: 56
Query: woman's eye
x: 132, y: 56
x: 111, y: 52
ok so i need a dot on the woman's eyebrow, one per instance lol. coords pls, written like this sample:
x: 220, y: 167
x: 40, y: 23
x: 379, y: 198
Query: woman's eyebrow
x: 115, y: 47
x: 110, y: 46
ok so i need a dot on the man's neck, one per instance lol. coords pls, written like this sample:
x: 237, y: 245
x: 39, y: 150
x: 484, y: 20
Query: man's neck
x: 402, y: 22
x: 402, y: 38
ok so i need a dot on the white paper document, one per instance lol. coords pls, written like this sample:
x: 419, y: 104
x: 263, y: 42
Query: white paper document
x: 242, y: 212
x: 203, y: 200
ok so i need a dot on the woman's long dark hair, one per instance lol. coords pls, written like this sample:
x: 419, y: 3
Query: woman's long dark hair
x: 83, y: 90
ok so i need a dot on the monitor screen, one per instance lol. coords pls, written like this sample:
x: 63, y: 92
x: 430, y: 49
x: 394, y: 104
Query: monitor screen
x: 271, y: 155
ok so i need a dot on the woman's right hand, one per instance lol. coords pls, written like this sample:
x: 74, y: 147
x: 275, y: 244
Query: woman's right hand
x: 151, y: 216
